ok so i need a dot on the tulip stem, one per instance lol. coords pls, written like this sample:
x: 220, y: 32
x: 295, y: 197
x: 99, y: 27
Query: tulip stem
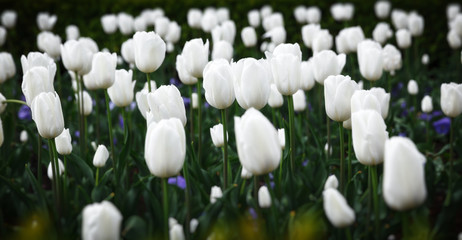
x: 226, y: 167
x: 373, y: 171
x: 165, y: 205
x: 291, y: 132
x: 149, y: 82
x: 191, y: 116
x: 255, y: 190
x: 58, y: 76
x: 83, y: 119
x: 187, y: 198
x: 110, y: 133
x: 39, y: 159
x: 14, y: 101
x: 125, y: 123
x: 451, y: 139
x: 342, y: 162
x: 349, y: 155
x: 53, y: 168
x: 56, y: 177
x: 97, y: 177
x: 199, y: 121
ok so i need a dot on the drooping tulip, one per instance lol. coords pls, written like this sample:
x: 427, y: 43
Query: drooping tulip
x: 285, y: 64
x: 264, y: 197
x: 336, y: 208
x: 121, y: 92
x: 370, y: 60
x: 403, y: 174
x: 101, y: 221
x: 337, y: 96
x: 451, y: 99
x: 219, y: 84
x: 64, y: 142
x: 149, y: 51
x: 327, y: 63
x: 251, y: 83
x: 166, y: 102
x: 48, y: 114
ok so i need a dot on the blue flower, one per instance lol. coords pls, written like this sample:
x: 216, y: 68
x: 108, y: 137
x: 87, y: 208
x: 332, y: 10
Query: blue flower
x: 77, y: 133
x: 402, y: 134
x: 179, y: 181
x: 253, y: 213
x: 442, y: 126
x: 24, y: 113
x: 186, y: 101
x: 121, y: 121
x: 111, y: 105
x: 175, y: 82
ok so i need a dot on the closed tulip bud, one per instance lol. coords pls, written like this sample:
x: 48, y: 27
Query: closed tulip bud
x: 399, y: 19
x: 209, y: 21
x: 337, y: 95
x: 23, y: 137
x: 370, y: 60
x: 161, y: 26
x: 37, y: 59
x: 176, y: 232
x: 45, y: 21
x: 427, y: 105
x: 64, y: 142
x: 403, y: 174
x: 451, y: 99
x: 264, y: 197
x: 226, y: 32
x: 149, y: 51
x: 342, y: 11
x: 9, y: 18
x: 375, y: 99
x: 257, y: 142
x: 7, y: 66
x: 142, y: 101
x: 285, y: 64
x: 253, y: 17
x: 109, y: 23
x: 87, y: 107
x: 369, y: 136
x: 331, y: 182
x: 222, y: 49
x: 425, y: 59
x: 215, y: 193
x: 165, y: 147
x: 193, y: 225
x: 194, y: 18
x: 50, y: 44
x: 323, y: 40
x: 307, y: 75
x: 50, y: 169
x: 196, y: 55
x: 101, y: 156
x: 348, y: 39
x: 246, y: 174
x: 216, y: 132
x: 412, y: 87
x: 125, y: 23
x: 277, y: 35
x: 166, y: 102
x: 309, y: 31
x: 452, y: 10
x: 249, y: 37
x: 265, y: 11
x: 313, y: 15
x: 382, y: 32
x: 183, y: 73
x: 415, y: 24
x: 37, y: 80
x: 272, y: 21
x: 219, y: 84
x: 173, y: 33
x: 139, y: 24
x: 77, y: 56
x: 121, y: 92
x: 48, y: 114
x: 2, y: 35
x: 72, y: 32
x: 275, y: 99
x: 194, y: 101
x: 382, y: 9
x: 222, y: 14
x: 2, y: 104
x: 128, y: 51
x: 282, y: 138
x: 327, y: 63
x: 392, y: 59
x: 403, y: 38
x: 251, y: 83
x: 336, y: 208
x: 101, y: 221
x: 454, y: 39
x: 300, y: 14
x: 299, y: 101
x: 328, y: 149
x: 102, y: 74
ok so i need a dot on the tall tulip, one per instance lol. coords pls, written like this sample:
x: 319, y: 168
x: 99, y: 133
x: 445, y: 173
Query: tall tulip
x: 375, y: 99
x: 166, y: 102
x: 37, y: 80
x: 102, y: 74
x: 218, y: 84
x: 196, y: 54
x: 121, y: 92
x: 337, y: 94
x: 64, y: 142
x: 47, y: 114
x: 370, y: 60
x: 327, y: 63
x: 101, y: 221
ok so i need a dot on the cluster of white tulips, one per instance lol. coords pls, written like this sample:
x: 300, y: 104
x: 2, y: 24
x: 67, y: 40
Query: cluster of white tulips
x: 353, y: 71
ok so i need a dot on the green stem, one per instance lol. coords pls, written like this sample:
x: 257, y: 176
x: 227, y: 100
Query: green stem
x: 56, y: 177
x: 291, y: 132
x: 82, y: 116
x: 39, y: 159
x: 451, y: 143
x: 348, y: 233
x: 126, y: 127
x: 373, y: 170
x: 255, y: 190
x: 242, y: 187
x: 187, y: 198
x: 109, y: 122
x: 14, y: 101
x: 225, y: 151
x: 97, y: 177
x: 97, y: 118
x: 199, y: 122
x: 273, y: 114
x: 149, y: 82
x: 53, y: 168
x: 58, y: 76
x: 65, y: 191
x: 328, y: 138
x: 165, y: 206
x: 342, y: 162
x: 191, y: 116
x: 349, y: 155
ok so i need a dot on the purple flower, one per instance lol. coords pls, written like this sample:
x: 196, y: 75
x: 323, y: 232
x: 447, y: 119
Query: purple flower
x: 402, y: 134
x: 132, y: 106
x: 426, y: 117
x: 442, y: 126
x: 175, y: 82
x: 437, y: 113
x: 77, y: 133
x: 111, y: 105
x: 305, y: 163
x: 24, y: 113
x: 187, y: 101
x: 253, y: 213
x: 395, y: 91
x: 121, y: 121
x: 271, y: 176
x: 206, y: 105
x: 179, y: 181
x: 93, y: 102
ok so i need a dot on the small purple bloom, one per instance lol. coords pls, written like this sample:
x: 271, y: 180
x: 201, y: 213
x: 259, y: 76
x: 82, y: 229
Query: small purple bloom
x: 272, y: 184
x: 175, y: 82
x: 69, y: 98
x: 93, y: 102
x: 442, y: 126
x: 402, y: 134
x: 310, y: 107
x: 253, y: 213
x: 206, y: 105
x: 111, y: 105
x: 24, y: 113
x: 179, y: 181
x: 437, y: 113
x: 305, y: 163
x: 132, y: 106
x: 271, y: 176
x: 114, y: 141
x: 186, y: 101
x: 426, y: 117
x: 121, y: 121
x: 77, y: 133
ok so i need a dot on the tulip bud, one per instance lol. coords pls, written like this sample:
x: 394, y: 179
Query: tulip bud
x: 121, y: 92
x: 313, y: 15
x: 382, y: 9
x: 194, y: 101
x: 425, y: 59
x: 64, y: 142
x: 126, y: 23
x: 193, y: 225
x: 7, y: 65
x: 264, y: 197
x: 183, y: 73
x: 249, y: 36
x: 72, y: 33
x: 277, y: 35
x: 403, y: 38
x: 222, y: 49
x: 336, y: 208
x: 101, y: 221
x: 165, y: 147
x: 327, y: 63
x: 101, y: 156
x: 307, y: 75
x: 412, y: 87
x: 216, y: 132
x: 275, y: 99
x: 391, y: 58
x: 149, y: 51
x: 282, y: 138
x: 309, y: 31
x: 23, y: 137
x: 176, y: 232
x: 166, y: 102
x: 128, y: 51
x: 102, y: 74
x: 36, y: 81
x: 265, y: 11
x: 245, y: 174
x: 257, y: 142
x: 109, y: 23
x: 451, y: 99
x: 139, y: 24
x: 161, y: 26
x: 225, y: 32
x: 272, y: 21
x: 209, y: 21
x: 299, y: 101
x: 48, y: 114
x: 174, y: 32
x: 323, y: 40
x: 369, y: 136
x: 45, y: 21
x: 452, y: 10
x: 415, y: 24
x: 194, y: 18
x: 253, y: 17
x: 328, y: 149
x: 342, y: 11
x: 285, y: 64
x: 337, y: 95
x: 374, y: 99
x: 50, y: 44
x: 215, y: 193
x: 399, y: 19
x: 87, y: 107
x: 142, y: 101
x: 77, y: 56
x: 251, y: 83
x: 196, y: 55
x: 403, y: 174
x: 219, y: 84
x: 9, y: 18
x: 454, y: 39
x: 427, y: 105
x: 348, y: 39
x: 331, y: 182
x: 370, y: 60
x: 382, y: 32
x: 347, y: 123
x: 50, y: 169
x: 300, y: 14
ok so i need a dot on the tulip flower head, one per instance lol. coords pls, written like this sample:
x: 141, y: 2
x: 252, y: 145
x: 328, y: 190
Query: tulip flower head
x: 149, y: 51
x: 336, y: 208
x: 101, y: 221
x: 337, y: 95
